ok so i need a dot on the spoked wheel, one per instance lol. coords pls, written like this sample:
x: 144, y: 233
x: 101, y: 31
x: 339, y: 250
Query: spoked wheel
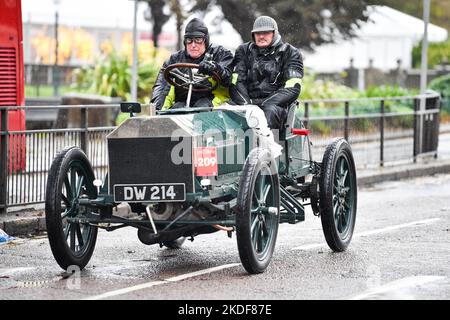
x: 259, y: 211
x: 338, y: 194
x: 70, y: 178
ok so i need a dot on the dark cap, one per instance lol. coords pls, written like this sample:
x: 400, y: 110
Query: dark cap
x: 195, y: 28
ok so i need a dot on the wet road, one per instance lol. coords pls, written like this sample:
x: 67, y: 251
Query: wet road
x: 400, y: 250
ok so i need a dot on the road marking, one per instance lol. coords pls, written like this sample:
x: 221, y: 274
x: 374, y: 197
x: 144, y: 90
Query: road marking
x: 394, y: 288
x: 157, y: 283
x: 372, y: 232
x: 309, y: 246
x: 400, y: 226
x: 125, y: 290
x: 201, y: 272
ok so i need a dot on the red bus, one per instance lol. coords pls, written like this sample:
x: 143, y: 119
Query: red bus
x: 12, y: 77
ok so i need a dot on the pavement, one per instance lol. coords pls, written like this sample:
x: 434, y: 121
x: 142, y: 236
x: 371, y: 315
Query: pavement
x: 31, y: 221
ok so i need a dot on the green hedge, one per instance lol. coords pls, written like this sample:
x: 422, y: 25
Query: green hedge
x: 111, y: 77
x: 437, y: 53
x: 442, y: 85
x: 363, y: 107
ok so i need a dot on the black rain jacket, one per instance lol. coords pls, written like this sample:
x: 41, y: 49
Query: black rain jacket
x: 219, y: 54
x: 262, y: 74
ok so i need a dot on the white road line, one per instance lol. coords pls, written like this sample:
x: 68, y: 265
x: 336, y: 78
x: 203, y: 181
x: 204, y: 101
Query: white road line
x: 400, y: 226
x: 372, y: 232
x: 310, y: 246
x: 394, y: 288
x: 125, y: 290
x: 201, y: 272
x: 157, y: 283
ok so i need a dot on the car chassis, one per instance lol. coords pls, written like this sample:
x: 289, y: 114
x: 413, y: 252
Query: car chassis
x: 174, y: 201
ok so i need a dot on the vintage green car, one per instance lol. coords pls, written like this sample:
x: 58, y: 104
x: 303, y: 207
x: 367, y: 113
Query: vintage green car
x: 192, y: 171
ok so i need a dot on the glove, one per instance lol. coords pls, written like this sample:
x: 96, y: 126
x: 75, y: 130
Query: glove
x: 256, y: 101
x: 208, y: 67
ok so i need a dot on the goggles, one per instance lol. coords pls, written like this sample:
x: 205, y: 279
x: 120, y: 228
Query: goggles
x: 196, y: 40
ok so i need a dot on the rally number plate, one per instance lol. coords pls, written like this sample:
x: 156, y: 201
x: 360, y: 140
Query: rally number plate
x: 157, y: 192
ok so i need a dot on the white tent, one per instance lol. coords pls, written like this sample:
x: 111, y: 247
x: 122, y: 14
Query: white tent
x: 389, y: 35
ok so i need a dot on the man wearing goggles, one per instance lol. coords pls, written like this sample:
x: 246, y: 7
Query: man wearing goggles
x: 210, y: 58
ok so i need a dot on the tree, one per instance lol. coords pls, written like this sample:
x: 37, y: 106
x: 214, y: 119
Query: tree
x: 303, y: 23
x: 157, y: 18
x: 177, y: 9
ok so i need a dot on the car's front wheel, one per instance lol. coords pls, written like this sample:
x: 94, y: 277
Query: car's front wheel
x: 70, y: 178
x: 259, y: 211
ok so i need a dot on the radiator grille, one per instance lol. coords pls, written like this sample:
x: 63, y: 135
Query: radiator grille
x: 8, y: 77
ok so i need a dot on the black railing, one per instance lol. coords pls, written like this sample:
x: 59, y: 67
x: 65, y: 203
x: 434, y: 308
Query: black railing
x: 389, y: 130
x: 26, y: 156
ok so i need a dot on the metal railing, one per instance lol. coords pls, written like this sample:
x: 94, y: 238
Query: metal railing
x: 26, y: 156
x: 386, y: 131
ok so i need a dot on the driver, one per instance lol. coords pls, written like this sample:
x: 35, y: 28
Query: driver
x: 211, y: 58
x: 267, y: 72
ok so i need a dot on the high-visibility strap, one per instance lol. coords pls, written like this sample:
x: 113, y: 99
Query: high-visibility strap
x: 292, y: 82
x: 221, y: 95
x: 234, y: 78
x: 170, y: 98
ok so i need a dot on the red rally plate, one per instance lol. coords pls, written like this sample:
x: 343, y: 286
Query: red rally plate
x: 205, y: 161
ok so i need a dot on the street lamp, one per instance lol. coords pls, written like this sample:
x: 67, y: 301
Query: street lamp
x: 424, y: 67
x: 424, y: 70
x: 55, y: 66
x: 134, y: 68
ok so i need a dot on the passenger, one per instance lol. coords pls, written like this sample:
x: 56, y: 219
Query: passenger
x: 210, y: 57
x: 267, y: 72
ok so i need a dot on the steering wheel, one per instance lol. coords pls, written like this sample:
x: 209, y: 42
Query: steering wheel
x: 181, y: 75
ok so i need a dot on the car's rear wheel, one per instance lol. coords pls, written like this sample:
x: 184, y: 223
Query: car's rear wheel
x: 259, y: 211
x: 70, y: 178
x: 338, y: 195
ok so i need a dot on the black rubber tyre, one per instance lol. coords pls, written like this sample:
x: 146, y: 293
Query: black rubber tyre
x: 338, y: 195
x: 70, y: 178
x: 175, y: 244
x: 256, y: 226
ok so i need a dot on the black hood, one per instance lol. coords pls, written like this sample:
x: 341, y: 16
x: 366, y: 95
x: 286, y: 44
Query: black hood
x: 196, y: 28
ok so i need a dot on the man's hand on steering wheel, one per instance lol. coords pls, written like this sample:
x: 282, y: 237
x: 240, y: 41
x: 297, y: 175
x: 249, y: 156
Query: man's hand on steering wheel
x: 181, y: 75
x: 209, y: 67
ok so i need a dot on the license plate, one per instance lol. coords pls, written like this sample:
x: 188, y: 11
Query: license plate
x: 158, y: 192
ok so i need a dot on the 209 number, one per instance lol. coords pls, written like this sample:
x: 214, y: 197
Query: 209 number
x: 206, y: 162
